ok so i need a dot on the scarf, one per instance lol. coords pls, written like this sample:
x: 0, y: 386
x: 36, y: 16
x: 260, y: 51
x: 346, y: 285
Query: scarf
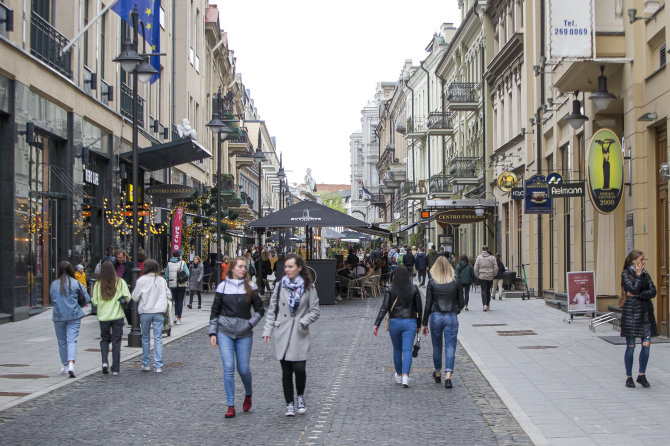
x: 295, y: 290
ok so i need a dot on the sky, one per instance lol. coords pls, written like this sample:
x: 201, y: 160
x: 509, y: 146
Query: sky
x: 312, y: 65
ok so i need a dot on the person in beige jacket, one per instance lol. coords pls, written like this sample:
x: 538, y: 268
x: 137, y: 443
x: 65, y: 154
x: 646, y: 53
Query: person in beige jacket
x: 294, y: 306
x: 486, y: 268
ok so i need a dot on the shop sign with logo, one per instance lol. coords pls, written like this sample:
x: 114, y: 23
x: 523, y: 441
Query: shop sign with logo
x: 605, y: 172
x: 554, y: 178
x: 517, y: 193
x: 538, y: 200
x: 91, y: 177
x: 170, y: 191
x: 566, y: 190
x: 458, y: 216
x: 507, y: 181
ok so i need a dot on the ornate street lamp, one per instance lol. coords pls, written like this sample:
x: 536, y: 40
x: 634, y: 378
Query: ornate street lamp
x: 602, y: 98
x: 576, y: 119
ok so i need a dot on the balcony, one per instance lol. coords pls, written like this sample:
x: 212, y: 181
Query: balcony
x: 244, y: 160
x: 385, y: 160
x: 440, y: 123
x: 238, y: 142
x: 378, y: 200
x: 416, y: 127
x: 46, y: 43
x: 440, y: 185
x: 127, y: 106
x: 464, y: 170
x: 462, y: 96
x: 414, y: 190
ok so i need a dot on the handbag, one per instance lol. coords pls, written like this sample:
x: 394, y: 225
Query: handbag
x: 81, y: 298
x: 388, y: 318
x: 417, y: 346
x: 182, y: 278
x: 124, y: 301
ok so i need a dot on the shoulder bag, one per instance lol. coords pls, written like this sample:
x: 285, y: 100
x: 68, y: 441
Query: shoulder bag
x: 81, y: 298
x: 388, y: 318
x: 417, y: 345
x: 182, y: 278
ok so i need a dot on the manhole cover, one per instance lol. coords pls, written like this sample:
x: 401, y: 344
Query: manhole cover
x: 488, y: 325
x: 13, y: 365
x: 14, y: 394
x: 537, y: 347
x: 516, y: 333
x: 93, y: 350
x: 413, y: 369
x: 23, y: 376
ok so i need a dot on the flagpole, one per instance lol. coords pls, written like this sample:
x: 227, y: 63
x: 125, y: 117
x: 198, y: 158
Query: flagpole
x: 81, y: 33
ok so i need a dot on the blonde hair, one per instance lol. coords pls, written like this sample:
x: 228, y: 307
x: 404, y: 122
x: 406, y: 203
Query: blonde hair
x: 442, y: 272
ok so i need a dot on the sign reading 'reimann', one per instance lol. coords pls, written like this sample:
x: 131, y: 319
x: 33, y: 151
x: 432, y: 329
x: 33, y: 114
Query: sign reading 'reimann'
x: 565, y: 190
x: 570, y: 28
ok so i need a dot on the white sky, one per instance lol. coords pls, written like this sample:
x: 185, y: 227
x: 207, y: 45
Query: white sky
x: 312, y: 65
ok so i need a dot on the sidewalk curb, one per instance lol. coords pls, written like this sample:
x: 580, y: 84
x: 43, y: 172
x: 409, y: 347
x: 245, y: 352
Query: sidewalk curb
x: 136, y: 351
x: 533, y: 432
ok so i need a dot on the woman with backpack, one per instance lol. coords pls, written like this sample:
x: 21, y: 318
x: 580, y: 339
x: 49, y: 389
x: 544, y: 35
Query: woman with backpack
x: 466, y: 275
x: 177, y: 276
x: 107, y: 293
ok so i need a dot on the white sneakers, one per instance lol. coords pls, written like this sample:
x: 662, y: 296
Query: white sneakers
x: 70, y: 369
x: 405, y: 381
x: 398, y: 378
x: 158, y: 370
x: 146, y: 368
x: 179, y: 322
x: 301, y: 405
x: 290, y: 411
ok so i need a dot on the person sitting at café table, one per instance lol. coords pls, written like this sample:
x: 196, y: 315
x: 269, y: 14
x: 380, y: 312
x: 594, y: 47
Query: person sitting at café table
x: 360, y: 270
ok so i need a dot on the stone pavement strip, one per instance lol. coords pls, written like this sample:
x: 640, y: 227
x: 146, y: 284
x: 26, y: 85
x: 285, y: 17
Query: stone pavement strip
x: 351, y: 396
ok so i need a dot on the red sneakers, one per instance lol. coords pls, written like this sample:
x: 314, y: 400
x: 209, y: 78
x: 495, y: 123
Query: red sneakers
x: 231, y: 412
x: 247, y: 403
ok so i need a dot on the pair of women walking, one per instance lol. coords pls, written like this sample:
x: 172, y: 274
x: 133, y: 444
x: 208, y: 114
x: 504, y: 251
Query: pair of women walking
x: 294, y: 306
x: 402, y: 301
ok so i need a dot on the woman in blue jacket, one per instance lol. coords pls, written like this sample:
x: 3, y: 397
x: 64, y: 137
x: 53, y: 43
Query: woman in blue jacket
x: 67, y: 314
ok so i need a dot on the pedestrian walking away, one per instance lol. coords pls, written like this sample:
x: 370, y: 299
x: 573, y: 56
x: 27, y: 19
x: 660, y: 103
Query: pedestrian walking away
x: 466, y: 275
x: 107, y: 294
x: 486, y: 269
x: 432, y: 256
x: 421, y: 262
x: 294, y: 306
x: 177, y: 287
x: 231, y: 326
x: 408, y: 262
x: 152, y: 293
x: 402, y: 302
x: 444, y: 301
x: 195, y: 282
x: 67, y: 296
x: 124, y: 270
x: 637, y: 314
x: 498, y: 278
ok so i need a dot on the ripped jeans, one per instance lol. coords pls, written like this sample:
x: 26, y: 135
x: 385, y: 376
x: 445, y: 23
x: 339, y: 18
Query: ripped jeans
x: 630, y: 350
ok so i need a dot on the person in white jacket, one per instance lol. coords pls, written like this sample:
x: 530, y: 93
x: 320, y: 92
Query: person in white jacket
x: 152, y: 293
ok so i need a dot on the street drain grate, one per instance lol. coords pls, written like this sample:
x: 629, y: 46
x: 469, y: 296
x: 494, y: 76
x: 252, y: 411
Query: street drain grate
x: 488, y: 325
x: 23, y: 376
x: 13, y: 365
x: 537, y: 347
x: 413, y: 369
x: 14, y: 394
x: 516, y: 333
x: 93, y: 350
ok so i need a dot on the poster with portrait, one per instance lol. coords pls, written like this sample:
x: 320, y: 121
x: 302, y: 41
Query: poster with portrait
x: 581, y: 292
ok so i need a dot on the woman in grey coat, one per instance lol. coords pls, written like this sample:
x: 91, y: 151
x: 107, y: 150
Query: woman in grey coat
x: 195, y: 282
x: 294, y: 306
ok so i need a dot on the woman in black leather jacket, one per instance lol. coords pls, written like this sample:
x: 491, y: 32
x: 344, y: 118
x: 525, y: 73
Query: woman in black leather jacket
x: 637, y: 315
x: 444, y: 300
x: 402, y: 300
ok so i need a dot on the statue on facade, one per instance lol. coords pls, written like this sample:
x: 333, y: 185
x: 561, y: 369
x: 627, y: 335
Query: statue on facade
x: 185, y: 130
x: 309, y: 181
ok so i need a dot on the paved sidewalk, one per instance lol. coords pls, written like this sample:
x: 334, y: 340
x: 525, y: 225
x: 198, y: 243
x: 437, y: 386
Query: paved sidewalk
x: 564, y: 384
x: 30, y: 348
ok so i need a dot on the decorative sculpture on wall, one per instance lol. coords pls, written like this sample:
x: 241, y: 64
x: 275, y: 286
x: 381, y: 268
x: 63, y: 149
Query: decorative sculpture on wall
x: 185, y: 130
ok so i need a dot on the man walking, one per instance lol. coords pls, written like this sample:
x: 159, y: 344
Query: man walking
x: 421, y: 262
x: 498, y: 279
x: 432, y: 256
x: 408, y: 261
x: 486, y: 269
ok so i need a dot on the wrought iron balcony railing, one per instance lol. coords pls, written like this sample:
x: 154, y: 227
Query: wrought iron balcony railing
x: 413, y: 188
x: 377, y: 199
x: 46, y: 43
x: 464, y: 167
x: 462, y: 92
x: 385, y: 160
x: 239, y: 136
x: 127, y: 106
x: 440, y: 184
x: 440, y: 120
x: 416, y: 124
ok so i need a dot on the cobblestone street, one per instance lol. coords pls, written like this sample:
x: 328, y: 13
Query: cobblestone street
x: 351, y: 398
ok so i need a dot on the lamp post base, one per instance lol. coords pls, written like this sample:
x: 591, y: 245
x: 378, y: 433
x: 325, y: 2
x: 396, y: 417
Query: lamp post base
x: 135, y: 335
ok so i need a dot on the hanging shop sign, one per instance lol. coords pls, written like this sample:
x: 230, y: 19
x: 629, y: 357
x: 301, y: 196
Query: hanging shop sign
x: 554, y: 178
x: 176, y: 229
x: 537, y: 196
x: 566, y: 190
x: 91, y: 177
x: 507, y: 181
x: 458, y: 216
x: 170, y: 191
x: 517, y: 193
x: 605, y: 171
x: 571, y: 24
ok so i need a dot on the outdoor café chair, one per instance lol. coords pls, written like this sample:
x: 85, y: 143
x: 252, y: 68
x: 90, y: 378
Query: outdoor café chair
x: 356, y: 286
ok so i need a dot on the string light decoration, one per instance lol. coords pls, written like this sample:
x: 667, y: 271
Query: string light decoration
x: 119, y: 215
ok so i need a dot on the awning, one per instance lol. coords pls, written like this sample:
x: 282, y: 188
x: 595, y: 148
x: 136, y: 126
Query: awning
x: 173, y: 153
x: 331, y: 234
x: 408, y: 227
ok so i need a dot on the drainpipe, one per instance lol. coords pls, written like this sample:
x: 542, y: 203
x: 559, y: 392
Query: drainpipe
x: 539, y: 151
x: 428, y: 108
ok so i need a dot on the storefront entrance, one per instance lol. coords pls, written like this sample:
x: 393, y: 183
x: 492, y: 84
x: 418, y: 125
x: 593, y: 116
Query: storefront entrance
x: 662, y: 234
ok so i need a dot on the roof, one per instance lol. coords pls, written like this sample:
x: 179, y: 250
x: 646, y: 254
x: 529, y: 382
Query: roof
x: 330, y: 188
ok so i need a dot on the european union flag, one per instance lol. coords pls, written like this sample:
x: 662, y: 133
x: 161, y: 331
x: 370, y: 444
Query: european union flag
x: 149, y: 14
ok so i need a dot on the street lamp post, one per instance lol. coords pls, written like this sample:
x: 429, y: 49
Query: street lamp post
x: 138, y: 64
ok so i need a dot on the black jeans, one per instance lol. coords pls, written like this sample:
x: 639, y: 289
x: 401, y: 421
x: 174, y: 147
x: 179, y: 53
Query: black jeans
x: 486, y: 291
x: 466, y: 293
x: 178, y: 298
x: 421, y: 275
x: 190, y: 300
x: 289, y: 368
x: 111, y: 331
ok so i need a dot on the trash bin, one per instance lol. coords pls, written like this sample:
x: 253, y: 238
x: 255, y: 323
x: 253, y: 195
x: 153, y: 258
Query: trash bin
x: 508, y: 279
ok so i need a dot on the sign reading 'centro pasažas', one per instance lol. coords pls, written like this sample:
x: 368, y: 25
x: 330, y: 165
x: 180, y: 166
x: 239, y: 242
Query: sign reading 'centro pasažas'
x: 170, y: 191
x: 458, y: 216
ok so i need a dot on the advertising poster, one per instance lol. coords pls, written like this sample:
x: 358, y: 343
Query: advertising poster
x: 570, y: 30
x: 581, y: 292
x: 538, y: 200
x: 605, y: 171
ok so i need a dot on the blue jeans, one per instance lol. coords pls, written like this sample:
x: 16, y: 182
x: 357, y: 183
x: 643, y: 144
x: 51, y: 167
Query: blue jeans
x: 155, y: 320
x: 67, y: 333
x: 630, y: 350
x: 230, y: 349
x: 402, y: 332
x: 444, y: 324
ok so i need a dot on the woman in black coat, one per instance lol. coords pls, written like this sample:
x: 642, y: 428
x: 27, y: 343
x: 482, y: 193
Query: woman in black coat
x: 637, y: 315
